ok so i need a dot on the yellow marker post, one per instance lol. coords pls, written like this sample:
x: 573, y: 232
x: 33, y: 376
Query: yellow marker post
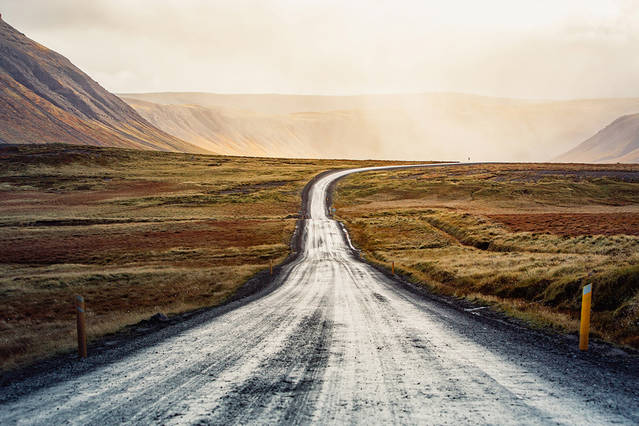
x: 584, y: 329
x: 82, y: 327
x: 393, y: 267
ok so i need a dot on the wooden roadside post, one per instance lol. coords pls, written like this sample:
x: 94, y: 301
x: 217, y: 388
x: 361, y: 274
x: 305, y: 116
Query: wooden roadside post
x: 584, y: 328
x: 393, y: 267
x: 82, y: 326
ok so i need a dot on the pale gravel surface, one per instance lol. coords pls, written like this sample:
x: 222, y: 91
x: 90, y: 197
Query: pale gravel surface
x: 336, y: 341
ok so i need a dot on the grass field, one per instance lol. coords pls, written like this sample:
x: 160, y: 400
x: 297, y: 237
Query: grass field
x: 135, y: 233
x: 524, y: 238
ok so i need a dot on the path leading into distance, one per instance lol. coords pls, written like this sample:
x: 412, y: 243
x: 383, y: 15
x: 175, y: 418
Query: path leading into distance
x: 337, y: 342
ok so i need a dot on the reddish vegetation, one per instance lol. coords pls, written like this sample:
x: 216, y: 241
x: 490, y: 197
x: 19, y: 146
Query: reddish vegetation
x: 61, y: 247
x: 572, y: 224
x: 112, y: 189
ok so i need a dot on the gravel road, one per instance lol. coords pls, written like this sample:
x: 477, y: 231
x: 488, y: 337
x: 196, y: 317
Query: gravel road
x: 336, y: 341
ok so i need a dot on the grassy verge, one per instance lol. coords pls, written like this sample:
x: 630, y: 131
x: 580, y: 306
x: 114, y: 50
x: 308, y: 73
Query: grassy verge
x: 523, y: 238
x: 135, y: 233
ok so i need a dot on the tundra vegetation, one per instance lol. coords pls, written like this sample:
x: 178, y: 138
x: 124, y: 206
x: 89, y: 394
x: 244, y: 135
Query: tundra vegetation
x: 135, y: 233
x: 523, y: 238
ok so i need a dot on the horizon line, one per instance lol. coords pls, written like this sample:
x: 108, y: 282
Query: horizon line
x: 355, y: 95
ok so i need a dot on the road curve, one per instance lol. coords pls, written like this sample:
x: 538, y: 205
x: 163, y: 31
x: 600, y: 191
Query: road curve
x: 338, y: 342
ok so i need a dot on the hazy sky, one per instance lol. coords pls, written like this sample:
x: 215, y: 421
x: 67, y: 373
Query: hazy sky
x: 537, y: 48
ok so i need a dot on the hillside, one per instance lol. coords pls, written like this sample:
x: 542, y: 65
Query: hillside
x: 46, y: 99
x: 344, y: 134
x: 616, y: 143
x: 424, y: 126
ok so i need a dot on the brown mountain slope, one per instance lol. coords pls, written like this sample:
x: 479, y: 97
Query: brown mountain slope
x: 233, y: 132
x: 45, y: 98
x: 616, y: 143
x: 418, y: 126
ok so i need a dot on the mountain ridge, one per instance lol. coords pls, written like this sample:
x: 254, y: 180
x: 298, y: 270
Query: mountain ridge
x: 394, y: 127
x: 47, y: 99
x: 618, y: 142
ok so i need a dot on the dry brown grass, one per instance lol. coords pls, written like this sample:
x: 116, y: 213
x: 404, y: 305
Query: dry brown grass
x: 445, y: 228
x: 572, y: 224
x: 135, y: 233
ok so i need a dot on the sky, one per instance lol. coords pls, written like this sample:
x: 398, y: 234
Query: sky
x: 559, y: 49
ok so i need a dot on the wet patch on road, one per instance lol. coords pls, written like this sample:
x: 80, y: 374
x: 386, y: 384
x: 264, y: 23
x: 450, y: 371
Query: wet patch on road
x: 380, y: 297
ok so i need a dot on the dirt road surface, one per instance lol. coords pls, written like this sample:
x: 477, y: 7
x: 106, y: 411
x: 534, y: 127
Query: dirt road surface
x: 336, y: 341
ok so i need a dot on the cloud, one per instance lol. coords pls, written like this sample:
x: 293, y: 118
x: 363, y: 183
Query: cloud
x: 544, y: 49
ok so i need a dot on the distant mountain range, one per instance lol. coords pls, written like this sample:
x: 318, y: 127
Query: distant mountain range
x: 414, y: 126
x: 616, y: 143
x: 45, y: 98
